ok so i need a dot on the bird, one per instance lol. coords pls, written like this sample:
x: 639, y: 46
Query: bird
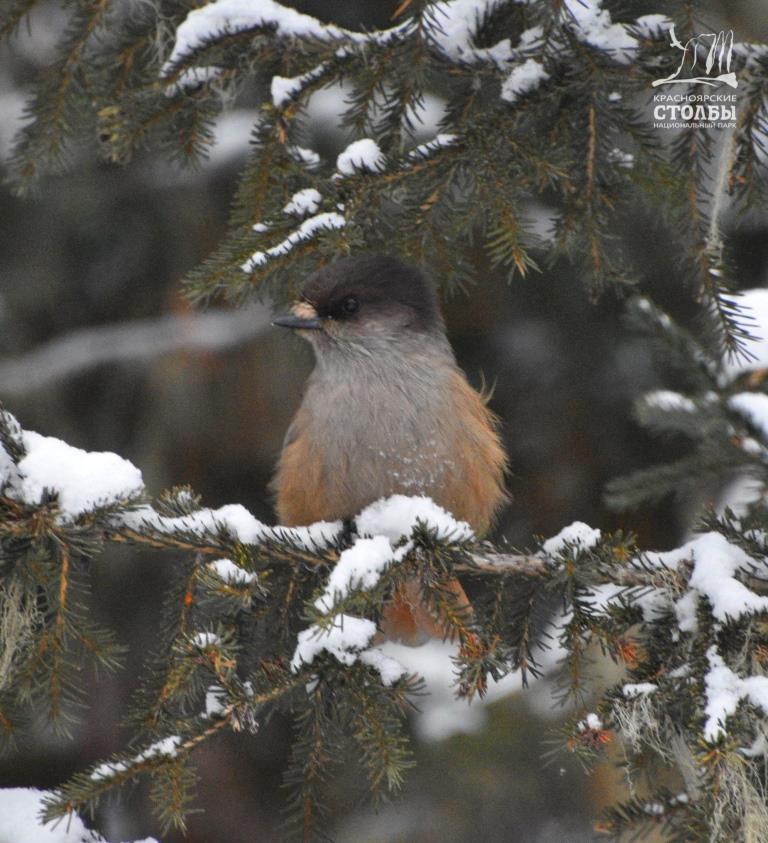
x: 386, y: 410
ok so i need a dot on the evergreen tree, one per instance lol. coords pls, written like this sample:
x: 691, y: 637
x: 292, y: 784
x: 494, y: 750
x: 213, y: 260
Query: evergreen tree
x: 546, y: 101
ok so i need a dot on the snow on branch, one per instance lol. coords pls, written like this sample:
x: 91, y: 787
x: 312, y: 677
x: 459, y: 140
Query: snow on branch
x: 82, y: 480
x: 593, y: 25
x: 227, y: 17
x: 329, y: 585
x: 361, y: 156
x: 307, y: 230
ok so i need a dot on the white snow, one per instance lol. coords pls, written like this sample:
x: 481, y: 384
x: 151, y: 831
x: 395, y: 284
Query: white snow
x: 347, y: 640
x: 388, y: 668
x: 20, y: 809
x: 638, y: 689
x: 206, y: 639
x: 284, y: 89
x: 108, y: 768
x: 650, y: 26
x: 361, y: 156
x: 396, y: 516
x: 305, y: 156
x: 319, y: 534
x: 715, y: 562
x: 306, y: 231
x: 166, y: 746
x: 523, y: 79
x: 233, y: 574
x: 754, y: 407
x: 82, y: 479
x: 578, y: 534
x: 441, y: 140
x: 237, y: 521
x: 304, y: 202
x: 530, y: 38
x: 226, y: 17
x: 685, y: 611
x: 343, y: 639
x: 665, y: 399
x: 234, y: 518
x: 625, y: 160
x: 591, y: 721
x: 452, y: 26
x: 214, y: 701
x: 359, y: 566
x: 192, y: 78
x: 593, y: 25
x: 725, y: 689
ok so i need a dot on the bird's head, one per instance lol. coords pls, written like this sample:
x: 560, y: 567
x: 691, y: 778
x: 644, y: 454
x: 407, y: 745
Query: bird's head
x: 365, y: 304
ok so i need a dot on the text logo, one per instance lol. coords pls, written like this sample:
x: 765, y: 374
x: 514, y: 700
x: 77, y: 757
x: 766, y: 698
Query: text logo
x: 716, y: 49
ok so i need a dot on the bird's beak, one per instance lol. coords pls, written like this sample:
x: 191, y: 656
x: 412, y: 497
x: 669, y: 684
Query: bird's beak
x: 303, y: 317
x: 288, y: 320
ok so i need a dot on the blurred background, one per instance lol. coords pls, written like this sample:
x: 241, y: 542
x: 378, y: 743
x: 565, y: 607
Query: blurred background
x: 98, y: 347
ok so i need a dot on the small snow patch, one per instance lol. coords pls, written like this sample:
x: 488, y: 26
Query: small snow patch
x: 304, y: 202
x: 232, y: 574
x: 725, y: 690
x: 305, y: 156
x: 522, y: 80
x: 396, y: 516
x: 284, y: 89
x: 715, y: 563
x: 306, y: 231
x: 591, y: 721
x: 206, y: 639
x: 361, y: 156
x: 593, y: 25
x: 665, y: 399
x: 234, y: 518
x: 578, y: 534
x: 638, y: 689
x: 359, y: 566
x: 343, y: 639
x: 440, y: 141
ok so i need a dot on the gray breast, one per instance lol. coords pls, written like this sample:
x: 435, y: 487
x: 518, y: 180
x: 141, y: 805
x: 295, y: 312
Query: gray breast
x: 382, y: 425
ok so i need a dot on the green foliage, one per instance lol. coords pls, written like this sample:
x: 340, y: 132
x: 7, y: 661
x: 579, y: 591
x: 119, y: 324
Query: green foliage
x: 46, y: 629
x: 227, y: 657
x: 566, y: 141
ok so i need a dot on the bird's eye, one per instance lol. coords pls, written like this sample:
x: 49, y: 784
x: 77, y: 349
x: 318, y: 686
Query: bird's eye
x: 350, y: 305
